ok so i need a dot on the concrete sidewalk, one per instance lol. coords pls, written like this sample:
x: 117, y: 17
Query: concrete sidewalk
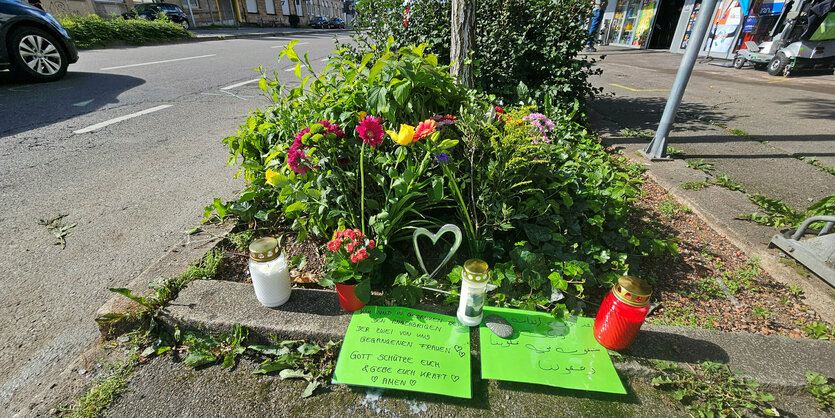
x: 747, y: 124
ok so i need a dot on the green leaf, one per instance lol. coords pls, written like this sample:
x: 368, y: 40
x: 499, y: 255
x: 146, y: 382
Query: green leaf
x: 311, y: 387
x: 294, y: 374
x: 363, y: 291
x: 401, y: 90
x: 270, y: 350
x: 127, y: 293
x: 286, y: 361
x: 199, y: 358
x: 192, y: 231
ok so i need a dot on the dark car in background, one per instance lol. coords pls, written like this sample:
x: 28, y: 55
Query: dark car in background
x: 320, y: 23
x: 152, y: 11
x: 33, y: 44
x: 336, y: 23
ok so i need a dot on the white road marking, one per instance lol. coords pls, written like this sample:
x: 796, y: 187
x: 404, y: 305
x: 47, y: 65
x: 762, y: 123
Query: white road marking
x: 325, y: 59
x: 293, y: 68
x: 282, y: 46
x: 82, y: 104
x: 242, y: 83
x: 120, y: 118
x: 155, y: 62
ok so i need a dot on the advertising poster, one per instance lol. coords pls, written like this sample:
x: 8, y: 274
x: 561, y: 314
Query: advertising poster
x: 725, y: 25
x: 642, y: 29
x: 690, y: 23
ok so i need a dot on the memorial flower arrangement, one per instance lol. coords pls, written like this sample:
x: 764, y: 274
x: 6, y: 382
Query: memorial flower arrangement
x: 399, y: 145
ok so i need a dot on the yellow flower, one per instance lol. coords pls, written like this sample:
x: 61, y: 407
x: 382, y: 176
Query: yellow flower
x: 361, y: 116
x: 406, y: 135
x: 270, y: 176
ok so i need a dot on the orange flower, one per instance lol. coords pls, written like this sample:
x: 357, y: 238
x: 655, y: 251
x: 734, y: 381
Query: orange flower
x: 424, y: 129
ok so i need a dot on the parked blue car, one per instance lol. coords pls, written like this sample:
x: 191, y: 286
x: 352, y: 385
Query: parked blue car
x: 33, y: 45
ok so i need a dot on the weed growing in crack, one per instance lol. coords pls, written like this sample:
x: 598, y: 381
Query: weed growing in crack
x: 723, y: 180
x: 712, y: 389
x: 700, y: 165
x: 694, y: 185
x: 241, y: 240
x: 636, y: 133
x: 57, y: 227
x: 674, y: 152
x: 822, y: 388
x: 778, y: 214
x: 671, y: 208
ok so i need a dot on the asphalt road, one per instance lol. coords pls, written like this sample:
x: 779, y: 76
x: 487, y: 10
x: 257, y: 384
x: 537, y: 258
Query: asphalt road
x: 128, y: 146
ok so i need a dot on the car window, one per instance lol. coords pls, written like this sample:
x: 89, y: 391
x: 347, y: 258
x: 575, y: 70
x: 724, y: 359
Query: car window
x: 170, y: 8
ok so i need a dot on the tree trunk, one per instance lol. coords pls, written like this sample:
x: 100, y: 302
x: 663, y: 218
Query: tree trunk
x: 463, y: 40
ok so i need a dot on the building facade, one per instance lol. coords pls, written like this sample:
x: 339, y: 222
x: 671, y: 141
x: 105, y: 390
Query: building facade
x: 273, y: 13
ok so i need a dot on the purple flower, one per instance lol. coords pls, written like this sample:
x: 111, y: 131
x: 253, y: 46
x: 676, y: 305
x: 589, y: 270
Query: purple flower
x: 542, y: 124
x: 442, y: 157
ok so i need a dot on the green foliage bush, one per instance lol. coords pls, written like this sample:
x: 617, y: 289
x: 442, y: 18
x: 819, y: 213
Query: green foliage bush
x: 534, y: 42
x: 294, y: 21
x: 538, y: 198
x: 92, y: 31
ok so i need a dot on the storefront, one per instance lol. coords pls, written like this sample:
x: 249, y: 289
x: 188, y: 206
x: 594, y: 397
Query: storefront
x: 641, y: 23
x: 734, y: 23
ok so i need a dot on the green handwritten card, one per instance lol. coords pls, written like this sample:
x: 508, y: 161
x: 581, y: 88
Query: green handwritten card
x: 548, y: 351
x: 406, y: 349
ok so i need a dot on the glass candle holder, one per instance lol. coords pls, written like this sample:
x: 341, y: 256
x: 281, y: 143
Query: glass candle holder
x: 270, y: 275
x: 622, y: 313
x: 473, y: 292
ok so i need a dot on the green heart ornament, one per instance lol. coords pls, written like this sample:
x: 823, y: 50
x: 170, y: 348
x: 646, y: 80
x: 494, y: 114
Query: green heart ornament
x: 455, y: 230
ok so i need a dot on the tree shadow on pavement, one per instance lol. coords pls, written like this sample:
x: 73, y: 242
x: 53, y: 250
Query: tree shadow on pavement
x: 812, y: 108
x: 28, y: 106
x: 645, y: 112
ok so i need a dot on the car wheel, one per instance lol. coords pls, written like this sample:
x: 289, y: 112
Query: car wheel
x: 778, y: 64
x: 739, y: 61
x: 184, y: 24
x: 36, y: 55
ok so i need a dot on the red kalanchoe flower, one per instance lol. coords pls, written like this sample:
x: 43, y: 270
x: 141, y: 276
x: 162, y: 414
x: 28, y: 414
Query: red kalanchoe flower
x: 334, y: 245
x: 499, y: 110
x: 371, y: 131
x: 354, y: 259
x: 424, y: 129
x: 360, y: 254
x: 349, y: 246
x: 371, y: 244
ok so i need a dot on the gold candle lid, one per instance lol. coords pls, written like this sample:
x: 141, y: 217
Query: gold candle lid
x: 632, y: 291
x: 264, y: 249
x: 475, y: 270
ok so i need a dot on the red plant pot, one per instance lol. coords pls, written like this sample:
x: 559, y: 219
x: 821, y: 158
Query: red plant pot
x: 347, y: 298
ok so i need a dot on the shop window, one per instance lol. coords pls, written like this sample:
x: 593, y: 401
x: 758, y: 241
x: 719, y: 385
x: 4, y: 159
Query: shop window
x: 251, y: 6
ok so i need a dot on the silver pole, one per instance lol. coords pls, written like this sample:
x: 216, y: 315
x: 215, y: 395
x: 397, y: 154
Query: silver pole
x: 657, y: 149
x: 191, y: 14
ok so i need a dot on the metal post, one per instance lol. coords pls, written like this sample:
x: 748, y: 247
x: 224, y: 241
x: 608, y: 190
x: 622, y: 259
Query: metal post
x: 188, y: 3
x: 657, y: 149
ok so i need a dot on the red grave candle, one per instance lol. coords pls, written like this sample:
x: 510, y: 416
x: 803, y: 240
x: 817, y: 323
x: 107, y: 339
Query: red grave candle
x: 622, y: 313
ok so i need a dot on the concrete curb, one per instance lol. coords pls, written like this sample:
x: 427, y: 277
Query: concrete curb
x: 198, y: 38
x: 219, y: 37
x: 822, y: 296
x: 777, y: 363
x: 175, y: 261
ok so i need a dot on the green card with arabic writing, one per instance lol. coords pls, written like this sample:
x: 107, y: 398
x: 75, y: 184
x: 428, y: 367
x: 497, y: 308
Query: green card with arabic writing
x: 406, y: 349
x: 548, y: 351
